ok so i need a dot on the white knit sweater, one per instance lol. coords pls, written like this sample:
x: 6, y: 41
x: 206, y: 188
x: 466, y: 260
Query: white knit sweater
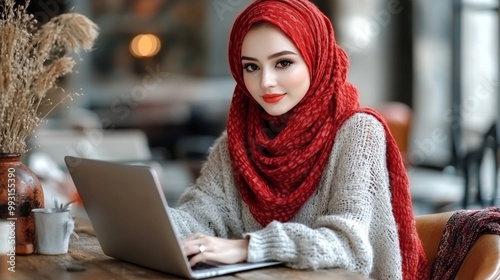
x: 347, y: 223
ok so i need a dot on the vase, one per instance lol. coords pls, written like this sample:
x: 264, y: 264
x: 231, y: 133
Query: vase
x: 20, y: 193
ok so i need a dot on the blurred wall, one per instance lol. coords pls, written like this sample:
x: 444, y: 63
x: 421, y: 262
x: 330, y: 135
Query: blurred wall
x: 377, y: 38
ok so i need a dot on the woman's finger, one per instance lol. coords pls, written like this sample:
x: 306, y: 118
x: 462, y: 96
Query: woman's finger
x: 202, y: 257
x: 195, y: 246
x: 203, y: 248
x: 195, y: 236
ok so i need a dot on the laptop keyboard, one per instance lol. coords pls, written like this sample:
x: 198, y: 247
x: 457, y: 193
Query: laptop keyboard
x: 202, y: 265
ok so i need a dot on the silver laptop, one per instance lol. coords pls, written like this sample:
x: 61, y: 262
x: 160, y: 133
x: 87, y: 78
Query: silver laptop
x: 127, y: 208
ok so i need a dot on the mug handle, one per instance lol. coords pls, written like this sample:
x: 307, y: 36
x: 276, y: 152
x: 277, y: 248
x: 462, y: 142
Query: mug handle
x: 69, y: 226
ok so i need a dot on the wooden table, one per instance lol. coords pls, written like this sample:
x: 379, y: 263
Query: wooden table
x: 86, y: 253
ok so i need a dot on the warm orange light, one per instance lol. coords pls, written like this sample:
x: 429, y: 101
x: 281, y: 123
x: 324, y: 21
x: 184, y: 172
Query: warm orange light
x: 145, y: 45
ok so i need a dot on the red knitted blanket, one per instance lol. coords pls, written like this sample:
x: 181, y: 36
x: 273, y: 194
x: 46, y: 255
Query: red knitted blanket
x: 460, y: 233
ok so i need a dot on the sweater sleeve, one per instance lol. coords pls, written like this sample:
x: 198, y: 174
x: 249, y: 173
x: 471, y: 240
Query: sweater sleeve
x: 211, y: 205
x: 350, y: 215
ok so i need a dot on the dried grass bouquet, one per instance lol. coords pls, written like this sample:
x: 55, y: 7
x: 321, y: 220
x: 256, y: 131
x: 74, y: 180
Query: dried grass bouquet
x: 31, y: 61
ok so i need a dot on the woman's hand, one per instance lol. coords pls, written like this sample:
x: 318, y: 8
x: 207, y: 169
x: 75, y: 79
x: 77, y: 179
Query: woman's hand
x: 203, y: 248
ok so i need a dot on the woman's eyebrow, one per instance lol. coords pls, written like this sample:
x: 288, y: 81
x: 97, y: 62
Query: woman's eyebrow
x: 278, y: 54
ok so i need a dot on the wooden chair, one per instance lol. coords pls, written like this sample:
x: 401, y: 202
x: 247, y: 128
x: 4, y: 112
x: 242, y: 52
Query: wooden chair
x: 483, y: 259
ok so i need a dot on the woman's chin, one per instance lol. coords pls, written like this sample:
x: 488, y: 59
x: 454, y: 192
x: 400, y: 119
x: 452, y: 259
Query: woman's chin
x: 275, y: 114
x: 276, y: 111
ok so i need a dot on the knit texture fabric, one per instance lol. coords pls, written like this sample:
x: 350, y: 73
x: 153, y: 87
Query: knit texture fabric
x: 276, y: 176
x: 347, y: 223
x: 460, y: 233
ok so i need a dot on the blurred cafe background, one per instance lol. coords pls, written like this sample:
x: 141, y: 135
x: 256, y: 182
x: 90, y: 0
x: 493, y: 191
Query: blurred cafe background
x: 156, y: 89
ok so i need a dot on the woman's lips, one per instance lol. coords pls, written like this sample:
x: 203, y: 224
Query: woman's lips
x: 273, y: 97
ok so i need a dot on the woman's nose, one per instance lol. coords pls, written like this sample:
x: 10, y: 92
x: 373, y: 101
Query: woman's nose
x: 268, y: 79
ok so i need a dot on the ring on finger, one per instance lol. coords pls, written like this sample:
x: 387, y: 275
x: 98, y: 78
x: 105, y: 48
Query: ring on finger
x: 201, y: 248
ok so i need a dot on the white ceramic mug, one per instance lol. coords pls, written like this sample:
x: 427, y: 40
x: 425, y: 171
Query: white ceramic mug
x: 53, y: 230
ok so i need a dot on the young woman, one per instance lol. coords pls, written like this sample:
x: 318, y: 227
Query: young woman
x: 303, y: 174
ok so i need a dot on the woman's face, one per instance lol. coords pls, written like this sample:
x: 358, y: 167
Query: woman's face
x: 274, y: 72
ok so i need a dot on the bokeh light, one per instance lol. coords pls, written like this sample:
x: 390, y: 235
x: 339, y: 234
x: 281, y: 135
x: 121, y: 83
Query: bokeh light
x: 145, y: 45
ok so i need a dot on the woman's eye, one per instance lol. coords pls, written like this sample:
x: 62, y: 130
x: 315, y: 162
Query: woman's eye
x: 284, y: 63
x: 250, y: 67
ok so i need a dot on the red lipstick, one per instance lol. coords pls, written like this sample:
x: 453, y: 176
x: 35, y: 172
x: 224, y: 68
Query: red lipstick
x: 273, y: 97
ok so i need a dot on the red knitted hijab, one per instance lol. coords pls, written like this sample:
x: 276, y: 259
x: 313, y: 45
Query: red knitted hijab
x: 277, y: 174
